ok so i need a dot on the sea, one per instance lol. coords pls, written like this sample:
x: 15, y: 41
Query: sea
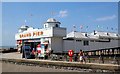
x: 7, y: 47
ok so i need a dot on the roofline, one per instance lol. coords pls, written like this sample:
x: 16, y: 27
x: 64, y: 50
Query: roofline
x: 53, y: 22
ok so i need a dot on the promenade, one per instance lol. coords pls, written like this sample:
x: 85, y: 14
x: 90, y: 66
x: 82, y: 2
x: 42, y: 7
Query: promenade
x: 16, y: 57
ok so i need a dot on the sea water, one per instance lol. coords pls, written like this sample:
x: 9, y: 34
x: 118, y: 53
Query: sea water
x: 7, y: 47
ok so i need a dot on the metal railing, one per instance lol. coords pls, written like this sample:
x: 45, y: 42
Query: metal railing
x: 90, y: 59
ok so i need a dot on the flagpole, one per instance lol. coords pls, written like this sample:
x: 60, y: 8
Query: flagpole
x: 98, y: 27
x: 74, y: 37
x: 86, y: 28
x: 81, y: 28
x: 25, y: 21
x: 107, y: 29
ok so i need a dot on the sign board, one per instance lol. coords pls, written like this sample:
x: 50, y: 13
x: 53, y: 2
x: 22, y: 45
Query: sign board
x: 34, y: 34
x: 70, y: 53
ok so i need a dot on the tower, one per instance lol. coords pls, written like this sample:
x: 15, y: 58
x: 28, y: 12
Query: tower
x: 23, y: 28
x: 51, y: 23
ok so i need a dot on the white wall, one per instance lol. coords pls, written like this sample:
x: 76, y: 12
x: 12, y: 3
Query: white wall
x: 57, y: 44
x: 102, y: 45
x: 59, y: 32
x: 69, y: 44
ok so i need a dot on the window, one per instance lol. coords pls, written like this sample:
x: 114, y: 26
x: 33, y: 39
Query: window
x: 69, y: 39
x: 78, y: 40
x: 102, y: 41
x: 86, y: 35
x: 85, y: 43
x: 92, y: 41
x: 45, y: 26
x: 56, y: 25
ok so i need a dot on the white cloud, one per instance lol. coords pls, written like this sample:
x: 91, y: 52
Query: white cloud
x: 63, y: 13
x: 105, y: 18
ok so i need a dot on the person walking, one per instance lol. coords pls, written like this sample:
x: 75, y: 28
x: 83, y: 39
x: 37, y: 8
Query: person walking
x: 76, y: 57
x: 81, y: 56
x: 84, y: 57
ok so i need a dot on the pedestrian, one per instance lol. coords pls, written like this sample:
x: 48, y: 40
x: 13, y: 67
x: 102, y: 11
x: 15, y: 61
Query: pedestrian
x: 35, y: 54
x: 39, y: 51
x: 81, y: 56
x: 84, y: 57
x: 75, y: 57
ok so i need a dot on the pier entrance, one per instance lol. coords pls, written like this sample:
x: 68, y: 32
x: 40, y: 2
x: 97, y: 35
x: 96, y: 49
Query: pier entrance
x: 33, y: 45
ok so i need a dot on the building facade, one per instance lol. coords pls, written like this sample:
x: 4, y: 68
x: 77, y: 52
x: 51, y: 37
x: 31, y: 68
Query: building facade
x: 53, y: 37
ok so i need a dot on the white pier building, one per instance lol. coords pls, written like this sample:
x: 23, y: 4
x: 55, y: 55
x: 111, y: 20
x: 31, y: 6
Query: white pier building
x: 53, y: 37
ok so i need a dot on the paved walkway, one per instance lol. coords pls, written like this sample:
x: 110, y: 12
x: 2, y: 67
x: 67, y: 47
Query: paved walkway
x: 14, y: 55
x: 9, y: 67
x: 17, y: 55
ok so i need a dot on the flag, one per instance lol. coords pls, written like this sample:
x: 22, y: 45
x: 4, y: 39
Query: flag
x: 107, y: 27
x: 111, y: 28
x: 98, y: 26
x: 25, y: 21
x: 81, y: 27
x: 31, y: 14
x: 74, y: 26
x: 86, y: 26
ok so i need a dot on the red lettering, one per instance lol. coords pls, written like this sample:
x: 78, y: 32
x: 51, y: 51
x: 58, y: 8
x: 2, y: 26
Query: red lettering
x: 20, y: 36
x: 30, y: 34
x: 33, y: 33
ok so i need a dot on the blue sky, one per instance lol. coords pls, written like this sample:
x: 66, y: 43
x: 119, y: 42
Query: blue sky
x: 60, y: 0
x: 91, y: 14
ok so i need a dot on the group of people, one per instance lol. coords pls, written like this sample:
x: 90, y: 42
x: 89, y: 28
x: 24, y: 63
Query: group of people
x: 80, y: 57
x: 38, y: 53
